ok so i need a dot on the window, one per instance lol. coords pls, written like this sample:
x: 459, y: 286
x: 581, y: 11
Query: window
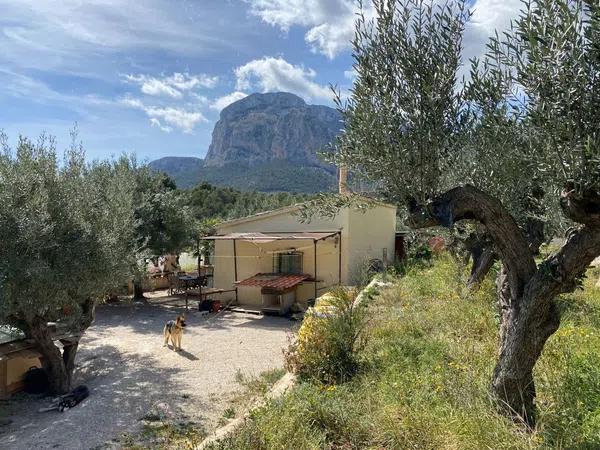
x: 287, y: 262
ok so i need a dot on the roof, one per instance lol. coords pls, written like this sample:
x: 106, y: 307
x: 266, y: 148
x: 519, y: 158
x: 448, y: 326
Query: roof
x: 284, y: 210
x: 274, y: 280
x: 271, y: 237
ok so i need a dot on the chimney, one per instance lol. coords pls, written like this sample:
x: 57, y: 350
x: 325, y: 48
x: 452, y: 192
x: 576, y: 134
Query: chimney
x: 343, y: 172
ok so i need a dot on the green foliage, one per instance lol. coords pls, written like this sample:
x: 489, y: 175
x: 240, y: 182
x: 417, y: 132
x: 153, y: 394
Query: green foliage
x: 329, y: 339
x: 161, y: 435
x: 404, y: 119
x: 210, y: 202
x: 163, y: 222
x: 521, y: 128
x: 183, y: 170
x: 67, y: 230
x: 534, y: 103
x: 548, y: 65
x: 428, y: 359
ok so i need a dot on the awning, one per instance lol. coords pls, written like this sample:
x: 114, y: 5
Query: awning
x: 274, y: 281
x: 270, y: 237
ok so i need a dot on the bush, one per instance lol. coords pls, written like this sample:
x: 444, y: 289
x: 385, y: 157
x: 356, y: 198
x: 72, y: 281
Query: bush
x: 329, y: 339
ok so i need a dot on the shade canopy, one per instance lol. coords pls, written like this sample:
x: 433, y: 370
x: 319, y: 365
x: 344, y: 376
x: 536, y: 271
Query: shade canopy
x: 265, y: 237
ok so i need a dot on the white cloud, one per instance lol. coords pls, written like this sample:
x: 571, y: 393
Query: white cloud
x: 156, y: 123
x: 488, y: 16
x: 350, y: 74
x: 179, y: 118
x: 171, y: 86
x: 276, y: 74
x: 227, y: 100
x: 167, y: 117
x: 81, y: 36
x: 330, y: 23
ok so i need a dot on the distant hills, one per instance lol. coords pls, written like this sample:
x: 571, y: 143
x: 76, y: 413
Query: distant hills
x: 272, y: 176
x: 265, y: 142
x: 183, y: 169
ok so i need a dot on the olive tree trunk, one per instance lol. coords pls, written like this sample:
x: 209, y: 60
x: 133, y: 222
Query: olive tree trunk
x: 138, y: 290
x: 526, y: 292
x: 483, y: 258
x: 59, y: 365
x: 52, y: 359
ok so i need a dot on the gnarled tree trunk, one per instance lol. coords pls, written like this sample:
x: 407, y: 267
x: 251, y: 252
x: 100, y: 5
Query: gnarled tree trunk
x: 138, y: 290
x: 52, y: 360
x: 526, y: 293
x: 483, y: 258
x: 522, y: 336
x: 59, y: 366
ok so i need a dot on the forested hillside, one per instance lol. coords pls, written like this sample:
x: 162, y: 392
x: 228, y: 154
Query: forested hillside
x: 212, y: 202
x: 273, y: 176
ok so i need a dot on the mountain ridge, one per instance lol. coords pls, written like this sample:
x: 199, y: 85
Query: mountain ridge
x: 265, y: 142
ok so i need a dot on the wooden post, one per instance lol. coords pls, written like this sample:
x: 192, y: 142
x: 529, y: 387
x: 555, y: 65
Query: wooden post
x: 3, y: 379
x: 385, y: 263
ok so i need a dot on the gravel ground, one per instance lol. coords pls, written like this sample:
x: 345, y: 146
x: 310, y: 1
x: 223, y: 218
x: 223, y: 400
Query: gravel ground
x: 129, y: 372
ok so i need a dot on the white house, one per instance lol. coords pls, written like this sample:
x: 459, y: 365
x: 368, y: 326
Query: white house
x: 273, y: 259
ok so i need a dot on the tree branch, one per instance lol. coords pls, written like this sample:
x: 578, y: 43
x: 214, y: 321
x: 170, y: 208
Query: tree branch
x: 581, y: 207
x: 468, y: 202
x: 559, y: 272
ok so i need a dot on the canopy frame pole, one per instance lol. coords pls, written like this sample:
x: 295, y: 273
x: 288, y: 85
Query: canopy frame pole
x: 340, y: 258
x: 235, y: 272
x: 315, y: 247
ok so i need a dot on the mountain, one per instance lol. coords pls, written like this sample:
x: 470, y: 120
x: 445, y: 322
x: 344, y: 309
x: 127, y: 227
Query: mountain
x: 183, y: 169
x: 272, y: 127
x: 264, y: 142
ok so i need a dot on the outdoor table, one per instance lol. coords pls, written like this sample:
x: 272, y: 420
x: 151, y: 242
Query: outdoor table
x: 189, y: 281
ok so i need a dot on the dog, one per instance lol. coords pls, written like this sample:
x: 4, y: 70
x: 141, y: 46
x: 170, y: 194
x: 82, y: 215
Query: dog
x: 174, y: 331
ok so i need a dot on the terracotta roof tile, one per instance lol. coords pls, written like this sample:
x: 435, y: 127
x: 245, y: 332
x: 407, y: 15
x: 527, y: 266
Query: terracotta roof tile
x: 274, y: 281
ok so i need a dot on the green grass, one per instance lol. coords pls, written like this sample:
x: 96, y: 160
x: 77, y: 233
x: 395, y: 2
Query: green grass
x: 426, y: 368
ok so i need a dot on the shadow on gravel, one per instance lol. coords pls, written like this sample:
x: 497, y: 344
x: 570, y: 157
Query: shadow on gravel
x: 122, y: 392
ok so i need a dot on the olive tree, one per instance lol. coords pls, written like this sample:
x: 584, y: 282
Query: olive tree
x: 68, y: 237
x: 523, y: 131
x: 163, y: 223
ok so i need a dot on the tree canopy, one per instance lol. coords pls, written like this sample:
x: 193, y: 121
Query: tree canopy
x: 71, y: 233
x: 517, y: 139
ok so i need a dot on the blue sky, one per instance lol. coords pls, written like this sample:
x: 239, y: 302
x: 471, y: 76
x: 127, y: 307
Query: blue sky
x: 151, y: 76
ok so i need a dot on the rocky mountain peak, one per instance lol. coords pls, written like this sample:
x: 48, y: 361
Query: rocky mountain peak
x: 270, y: 127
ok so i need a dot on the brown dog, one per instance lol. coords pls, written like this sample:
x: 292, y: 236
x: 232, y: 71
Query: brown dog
x: 174, y: 331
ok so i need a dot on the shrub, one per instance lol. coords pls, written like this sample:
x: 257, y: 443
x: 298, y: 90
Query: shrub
x: 329, y: 339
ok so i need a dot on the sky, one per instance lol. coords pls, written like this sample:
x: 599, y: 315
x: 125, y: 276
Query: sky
x: 150, y: 77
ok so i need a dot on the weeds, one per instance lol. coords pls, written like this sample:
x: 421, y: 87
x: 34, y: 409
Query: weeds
x: 425, y: 373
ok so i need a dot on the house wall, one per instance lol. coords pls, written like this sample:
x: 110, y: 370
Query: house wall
x: 286, y: 221
x: 253, y: 258
x: 369, y: 233
x: 363, y: 237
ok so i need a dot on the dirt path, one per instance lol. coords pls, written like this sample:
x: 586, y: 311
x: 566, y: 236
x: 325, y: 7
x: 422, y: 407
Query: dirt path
x: 129, y: 372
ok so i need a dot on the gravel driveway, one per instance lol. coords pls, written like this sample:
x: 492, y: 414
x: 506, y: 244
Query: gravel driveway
x: 122, y: 360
